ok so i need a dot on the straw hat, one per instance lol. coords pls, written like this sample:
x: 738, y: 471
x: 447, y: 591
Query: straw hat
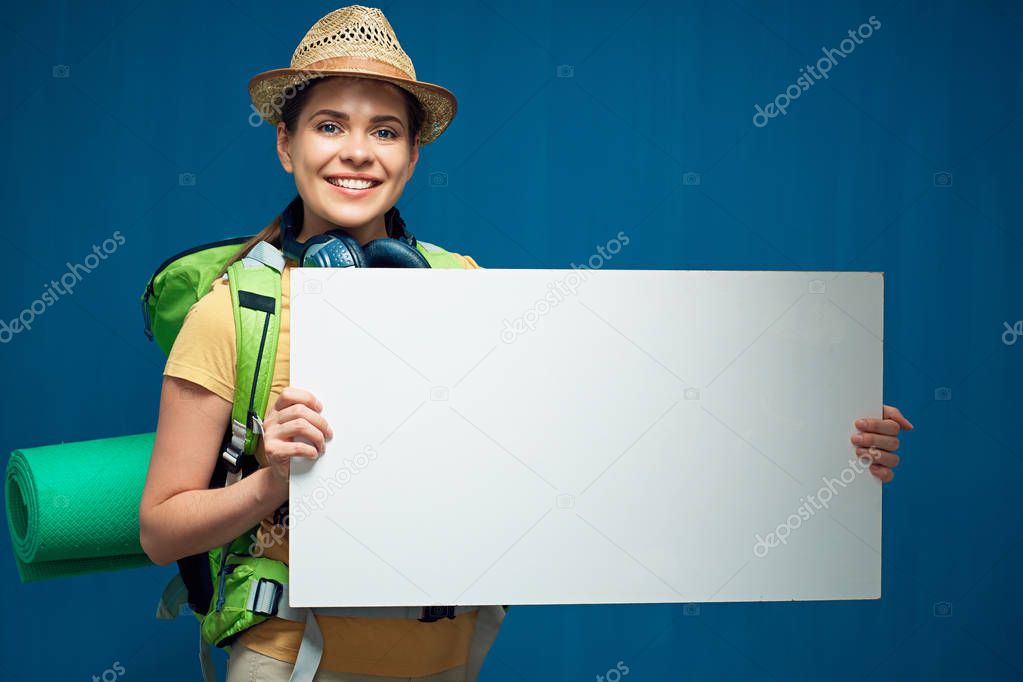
x: 354, y: 41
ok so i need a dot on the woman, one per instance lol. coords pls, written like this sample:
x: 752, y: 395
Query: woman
x: 338, y: 128
x: 352, y: 143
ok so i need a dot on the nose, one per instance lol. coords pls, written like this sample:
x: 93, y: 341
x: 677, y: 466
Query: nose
x: 355, y: 148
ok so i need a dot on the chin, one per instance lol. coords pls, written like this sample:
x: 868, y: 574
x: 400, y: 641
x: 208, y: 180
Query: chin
x: 348, y: 217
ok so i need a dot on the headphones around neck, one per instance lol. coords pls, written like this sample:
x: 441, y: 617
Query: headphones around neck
x: 337, y: 249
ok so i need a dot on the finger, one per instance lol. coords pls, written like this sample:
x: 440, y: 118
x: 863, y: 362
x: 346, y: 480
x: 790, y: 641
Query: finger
x: 284, y: 450
x: 299, y: 449
x: 889, y: 412
x: 867, y: 440
x: 293, y: 394
x: 302, y: 428
x: 879, y: 456
x: 888, y: 427
x: 883, y: 473
x: 302, y: 411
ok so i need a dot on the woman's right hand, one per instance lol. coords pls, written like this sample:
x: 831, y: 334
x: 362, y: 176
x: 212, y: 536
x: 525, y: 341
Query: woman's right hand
x: 294, y: 428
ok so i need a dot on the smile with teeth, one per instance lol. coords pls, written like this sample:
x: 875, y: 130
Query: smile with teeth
x: 351, y: 183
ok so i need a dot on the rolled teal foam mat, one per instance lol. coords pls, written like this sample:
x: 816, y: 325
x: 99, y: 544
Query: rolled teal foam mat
x: 73, y: 508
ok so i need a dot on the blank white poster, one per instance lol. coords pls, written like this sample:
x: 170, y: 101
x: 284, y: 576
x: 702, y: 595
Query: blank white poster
x: 585, y: 437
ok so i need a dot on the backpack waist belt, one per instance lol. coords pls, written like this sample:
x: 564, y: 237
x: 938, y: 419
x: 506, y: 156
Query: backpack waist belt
x: 268, y: 597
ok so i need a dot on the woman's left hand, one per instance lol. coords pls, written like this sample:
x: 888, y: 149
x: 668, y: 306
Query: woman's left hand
x: 878, y: 440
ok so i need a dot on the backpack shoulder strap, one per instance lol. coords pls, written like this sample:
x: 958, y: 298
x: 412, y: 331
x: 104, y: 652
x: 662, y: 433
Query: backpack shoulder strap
x: 255, y: 283
x: 438, y: 257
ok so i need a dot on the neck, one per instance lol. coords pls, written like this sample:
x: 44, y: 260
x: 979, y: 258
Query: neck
x: 313, y: 225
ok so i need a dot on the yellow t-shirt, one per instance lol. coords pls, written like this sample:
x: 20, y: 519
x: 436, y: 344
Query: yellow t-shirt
x: 204, y: 352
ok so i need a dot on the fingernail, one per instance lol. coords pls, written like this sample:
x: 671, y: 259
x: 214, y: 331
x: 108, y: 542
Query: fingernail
x: 861, y: 423
x: 857, y: 438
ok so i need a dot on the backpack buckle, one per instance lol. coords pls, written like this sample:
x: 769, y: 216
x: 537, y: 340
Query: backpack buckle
x: 236, y: 446
x: 265, y: 596
x: 255, y: 423
x: 434, y: 613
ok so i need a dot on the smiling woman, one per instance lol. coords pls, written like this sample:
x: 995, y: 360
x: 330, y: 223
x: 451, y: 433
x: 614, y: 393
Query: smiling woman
x: 315, y: 141
x: 350, y: 118
x: 349, y: 108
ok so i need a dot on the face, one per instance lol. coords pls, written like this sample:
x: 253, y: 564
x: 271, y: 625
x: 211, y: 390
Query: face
x: 349, y: 126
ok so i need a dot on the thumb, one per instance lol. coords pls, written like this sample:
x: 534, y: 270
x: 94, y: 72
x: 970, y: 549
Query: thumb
x: 890, y: 412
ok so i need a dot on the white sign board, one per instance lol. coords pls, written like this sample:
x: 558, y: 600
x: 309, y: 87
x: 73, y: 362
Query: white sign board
x: 585, y: 437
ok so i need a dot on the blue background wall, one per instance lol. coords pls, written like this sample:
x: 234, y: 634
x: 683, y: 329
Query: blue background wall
x: 906, y: 160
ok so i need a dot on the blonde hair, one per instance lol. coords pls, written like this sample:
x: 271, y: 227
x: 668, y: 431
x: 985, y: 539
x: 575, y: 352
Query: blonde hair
x: 271, y: 233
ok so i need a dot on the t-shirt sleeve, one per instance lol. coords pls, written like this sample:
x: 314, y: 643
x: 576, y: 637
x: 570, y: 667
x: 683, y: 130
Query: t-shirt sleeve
x: 204, y: 350
x: 470, y: 264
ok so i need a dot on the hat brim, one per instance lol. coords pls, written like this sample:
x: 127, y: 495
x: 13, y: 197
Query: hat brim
x: 268, y: 93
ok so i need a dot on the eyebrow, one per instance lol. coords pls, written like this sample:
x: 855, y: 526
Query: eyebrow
x: 342, y: 115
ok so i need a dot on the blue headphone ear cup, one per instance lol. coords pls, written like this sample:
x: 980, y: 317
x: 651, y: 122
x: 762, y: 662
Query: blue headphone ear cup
x: 393, y: 253
x: 333, y: 249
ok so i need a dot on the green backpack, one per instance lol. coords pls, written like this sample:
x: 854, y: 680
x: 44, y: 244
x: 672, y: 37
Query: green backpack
x: 227, y: 588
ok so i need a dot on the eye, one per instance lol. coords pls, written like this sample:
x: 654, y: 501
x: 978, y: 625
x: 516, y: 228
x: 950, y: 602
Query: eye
x: 323, y: 127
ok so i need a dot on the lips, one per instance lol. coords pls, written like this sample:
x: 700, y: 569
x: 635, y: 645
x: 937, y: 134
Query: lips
x: 351, y: 192
x: 336, y: 180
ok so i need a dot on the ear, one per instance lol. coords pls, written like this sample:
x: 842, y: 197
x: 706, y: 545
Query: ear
x: 284, y: 148
x: 413, y: 158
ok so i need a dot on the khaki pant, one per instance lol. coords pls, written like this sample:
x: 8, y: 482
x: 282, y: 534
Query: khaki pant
x: 246, y: 665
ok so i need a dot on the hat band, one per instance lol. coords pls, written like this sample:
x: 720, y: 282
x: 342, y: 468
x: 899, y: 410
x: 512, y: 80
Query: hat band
x: 357, y: 64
